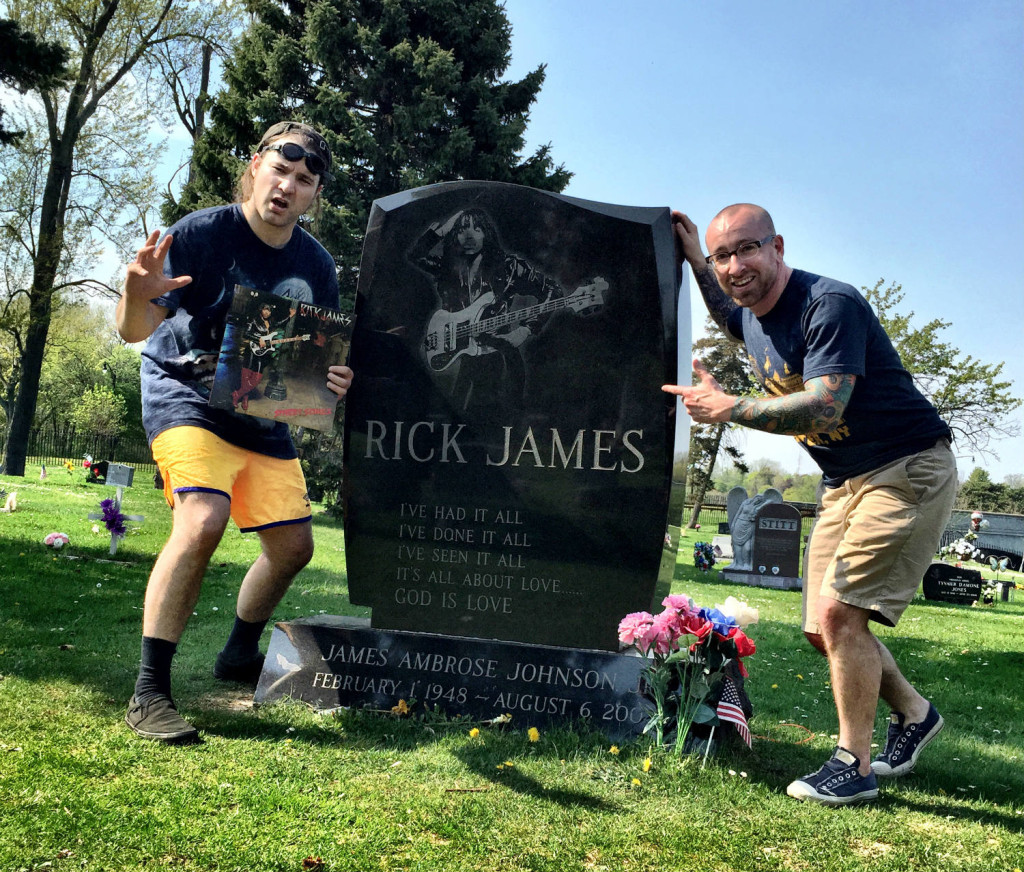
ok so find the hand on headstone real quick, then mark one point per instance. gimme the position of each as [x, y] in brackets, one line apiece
[689, 240]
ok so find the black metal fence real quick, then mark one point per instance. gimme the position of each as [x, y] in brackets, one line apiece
[54, 448]
[713, 514]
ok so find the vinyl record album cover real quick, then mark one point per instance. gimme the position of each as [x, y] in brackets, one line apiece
[274, 359]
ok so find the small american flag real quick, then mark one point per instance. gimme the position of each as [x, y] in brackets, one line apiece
[730, 709]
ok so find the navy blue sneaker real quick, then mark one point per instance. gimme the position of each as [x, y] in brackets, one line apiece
[904, 744]
[838, 782]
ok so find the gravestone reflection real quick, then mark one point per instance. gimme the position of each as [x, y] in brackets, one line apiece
[508, 452]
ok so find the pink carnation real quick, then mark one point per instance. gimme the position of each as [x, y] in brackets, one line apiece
[634, 626]
[678, 601]
[665, 630]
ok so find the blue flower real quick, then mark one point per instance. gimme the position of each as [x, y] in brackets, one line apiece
[722, 623]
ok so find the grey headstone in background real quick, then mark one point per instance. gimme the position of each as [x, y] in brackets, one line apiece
[743, 527]
[119, 475]
[737, 496]
[767, 553]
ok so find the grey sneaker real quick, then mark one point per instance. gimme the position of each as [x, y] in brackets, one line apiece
[243, 673]
[905, 743]
[838, 782]
[158, 719]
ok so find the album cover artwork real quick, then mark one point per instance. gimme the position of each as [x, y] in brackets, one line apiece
[274, 359]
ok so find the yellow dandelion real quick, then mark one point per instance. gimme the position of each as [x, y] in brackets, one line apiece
[799, 677]
[401, 709]
[509, 764]
[775, 687]
[474, 733]
[647, 765]
[534, 734]
[614, 749]
[636, 782]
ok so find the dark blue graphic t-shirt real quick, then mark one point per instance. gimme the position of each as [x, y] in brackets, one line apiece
[823, 327]
[219, 250]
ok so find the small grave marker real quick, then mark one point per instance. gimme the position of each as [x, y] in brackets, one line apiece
[118, 476]
[952, 584]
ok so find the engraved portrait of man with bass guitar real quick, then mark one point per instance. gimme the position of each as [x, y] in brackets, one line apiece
[491, 303]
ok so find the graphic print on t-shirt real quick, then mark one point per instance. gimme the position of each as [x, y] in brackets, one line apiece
[782, 383]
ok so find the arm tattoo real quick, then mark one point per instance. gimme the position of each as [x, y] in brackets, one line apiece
[818, 408]
[718, 302]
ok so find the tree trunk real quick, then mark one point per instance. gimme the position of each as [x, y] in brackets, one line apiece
[53, 208]
[705, 478]
[51, 238]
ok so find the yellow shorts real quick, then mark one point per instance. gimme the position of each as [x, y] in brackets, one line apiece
[263, 491]
[877, 533]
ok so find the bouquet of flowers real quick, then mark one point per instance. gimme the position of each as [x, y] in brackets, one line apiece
[691, 652]
[112, 517]
[962, 549]
[703, 556]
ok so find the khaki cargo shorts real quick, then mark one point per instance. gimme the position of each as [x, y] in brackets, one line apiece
[877, 533]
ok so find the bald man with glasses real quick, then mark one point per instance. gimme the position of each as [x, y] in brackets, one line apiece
[836, 384]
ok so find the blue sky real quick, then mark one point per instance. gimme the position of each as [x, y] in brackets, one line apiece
[886, 139]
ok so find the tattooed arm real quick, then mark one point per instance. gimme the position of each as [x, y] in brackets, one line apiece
[818, 408]
[719, 304]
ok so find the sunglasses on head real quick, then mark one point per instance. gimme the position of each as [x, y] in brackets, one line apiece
[292, 152]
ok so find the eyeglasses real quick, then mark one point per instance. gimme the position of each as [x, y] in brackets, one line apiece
[292, 151]
[722, 259]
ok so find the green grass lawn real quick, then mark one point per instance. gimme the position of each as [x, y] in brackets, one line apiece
[286, 788]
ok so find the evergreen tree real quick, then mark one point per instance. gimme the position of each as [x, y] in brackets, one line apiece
[407, 93]
[26, 61]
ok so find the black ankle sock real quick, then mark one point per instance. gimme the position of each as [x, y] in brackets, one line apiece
[243, 644]
[155, 670]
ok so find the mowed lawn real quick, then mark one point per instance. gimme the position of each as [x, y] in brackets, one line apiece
[282, 787]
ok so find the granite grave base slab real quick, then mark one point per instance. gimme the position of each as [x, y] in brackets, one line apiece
[332, 662]
[761, 579]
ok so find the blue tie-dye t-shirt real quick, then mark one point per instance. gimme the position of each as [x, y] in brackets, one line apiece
[219, 250]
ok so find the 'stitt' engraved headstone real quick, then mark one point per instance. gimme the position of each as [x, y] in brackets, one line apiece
[766, 543]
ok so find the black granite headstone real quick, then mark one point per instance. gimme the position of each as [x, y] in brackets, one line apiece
[952, 584]
[508, 450]
[777, 540]
[331, 662]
